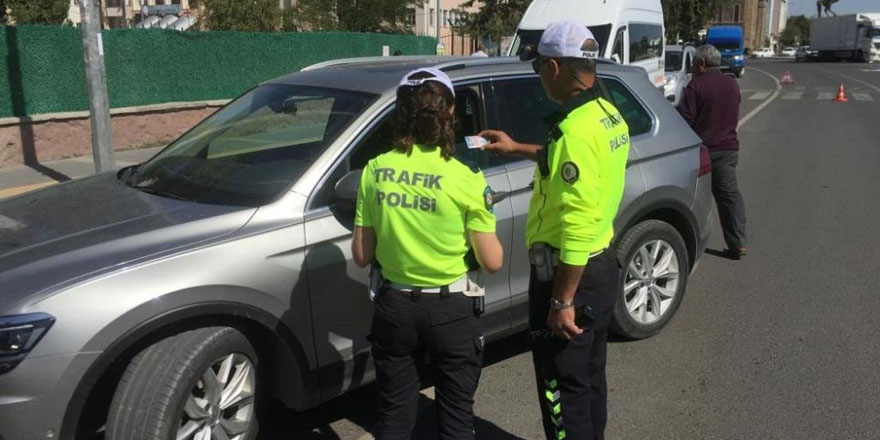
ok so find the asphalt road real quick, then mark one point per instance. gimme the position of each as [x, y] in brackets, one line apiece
[781, 345]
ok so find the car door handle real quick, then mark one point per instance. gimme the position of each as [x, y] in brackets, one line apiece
[498, 196]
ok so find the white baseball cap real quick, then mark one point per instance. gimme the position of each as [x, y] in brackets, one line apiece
[435, 75]
[563, 39]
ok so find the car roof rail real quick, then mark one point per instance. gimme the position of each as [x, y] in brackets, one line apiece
[445, 64]
[358, 60]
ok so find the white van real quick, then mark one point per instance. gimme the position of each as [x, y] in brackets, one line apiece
[628, 31]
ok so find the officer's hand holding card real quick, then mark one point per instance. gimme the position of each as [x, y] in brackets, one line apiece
[474, 142]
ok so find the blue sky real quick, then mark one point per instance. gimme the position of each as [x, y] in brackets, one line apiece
[808, 7]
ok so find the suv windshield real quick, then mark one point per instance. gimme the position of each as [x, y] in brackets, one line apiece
[250, 151]
[526, 37]
[673, 61]
[725, 45]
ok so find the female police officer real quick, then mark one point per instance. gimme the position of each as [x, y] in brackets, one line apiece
[419, 211]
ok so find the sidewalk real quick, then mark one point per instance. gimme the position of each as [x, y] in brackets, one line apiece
[21, 179]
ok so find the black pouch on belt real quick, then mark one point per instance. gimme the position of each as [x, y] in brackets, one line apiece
[541, 256]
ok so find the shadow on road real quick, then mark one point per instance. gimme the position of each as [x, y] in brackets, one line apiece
[721, 254]
[359, 408]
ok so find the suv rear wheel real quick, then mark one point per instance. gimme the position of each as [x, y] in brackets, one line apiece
[655, 273]
[197, 385]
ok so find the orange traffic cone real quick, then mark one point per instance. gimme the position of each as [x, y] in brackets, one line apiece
[841, 94]
[786, 78]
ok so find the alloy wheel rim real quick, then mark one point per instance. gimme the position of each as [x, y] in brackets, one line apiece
[651, 281]
[221, 404]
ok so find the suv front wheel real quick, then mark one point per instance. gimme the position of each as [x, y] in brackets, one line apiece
[197, 385]
[653, 280]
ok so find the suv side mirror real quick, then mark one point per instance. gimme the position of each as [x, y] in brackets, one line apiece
[126, 173]
[346, 189]
[345, 196]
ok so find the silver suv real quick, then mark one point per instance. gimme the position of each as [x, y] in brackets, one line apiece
[164, 301]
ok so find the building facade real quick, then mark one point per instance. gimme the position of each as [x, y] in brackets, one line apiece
[423, 19]
[778, 16]
[127, 13]
[751, 15]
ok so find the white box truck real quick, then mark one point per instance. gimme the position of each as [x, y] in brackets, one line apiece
[854, 36]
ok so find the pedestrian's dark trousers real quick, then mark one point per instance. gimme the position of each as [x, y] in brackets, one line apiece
[570, 375]
[731, 207]
[406, 328]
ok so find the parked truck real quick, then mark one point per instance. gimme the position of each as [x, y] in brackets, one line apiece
[729, 41]
[855, 37]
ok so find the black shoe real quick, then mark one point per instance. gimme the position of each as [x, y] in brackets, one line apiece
[735, 254]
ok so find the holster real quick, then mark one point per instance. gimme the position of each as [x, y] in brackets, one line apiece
[476, 288]
[545, 259]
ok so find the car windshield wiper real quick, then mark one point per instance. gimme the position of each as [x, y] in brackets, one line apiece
[162, 193]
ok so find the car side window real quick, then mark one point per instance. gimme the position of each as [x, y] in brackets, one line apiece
[687, 62]
[522, 106]
[637, 118]
[645, 41]
[380, 139]
[376, 142]
[469, 120]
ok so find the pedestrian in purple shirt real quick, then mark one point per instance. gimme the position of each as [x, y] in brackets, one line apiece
[710, 105]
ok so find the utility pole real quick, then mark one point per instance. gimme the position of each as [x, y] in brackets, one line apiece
[437, 9]
[96, 80]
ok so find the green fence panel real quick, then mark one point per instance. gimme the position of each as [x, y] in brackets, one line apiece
[41, 70]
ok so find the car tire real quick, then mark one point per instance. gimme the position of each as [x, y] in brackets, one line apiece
[739, 73]
[197, 381]
[648, 301]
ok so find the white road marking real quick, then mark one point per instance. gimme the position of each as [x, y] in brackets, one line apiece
[792, 96]
[872, 86]
[825, 96]
[760, 95]
[862, 97]
[762, 105]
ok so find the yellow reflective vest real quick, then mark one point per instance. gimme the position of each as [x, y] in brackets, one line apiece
[579, 179]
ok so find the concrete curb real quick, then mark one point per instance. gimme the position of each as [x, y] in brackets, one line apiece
[14, 120]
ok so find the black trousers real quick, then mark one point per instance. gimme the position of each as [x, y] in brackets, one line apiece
[731, 207]
[570, 375]
[407, 327]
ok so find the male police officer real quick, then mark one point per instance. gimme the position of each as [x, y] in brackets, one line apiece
[579, 182]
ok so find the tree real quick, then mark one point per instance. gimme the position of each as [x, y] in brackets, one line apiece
[289, 20]
[494, 20]
[242, 15]
[796, 32]
[37, 11]
[390, 16]
[685, 18]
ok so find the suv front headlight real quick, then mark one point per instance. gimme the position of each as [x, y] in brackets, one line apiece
[738, 57]
[19, 334]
